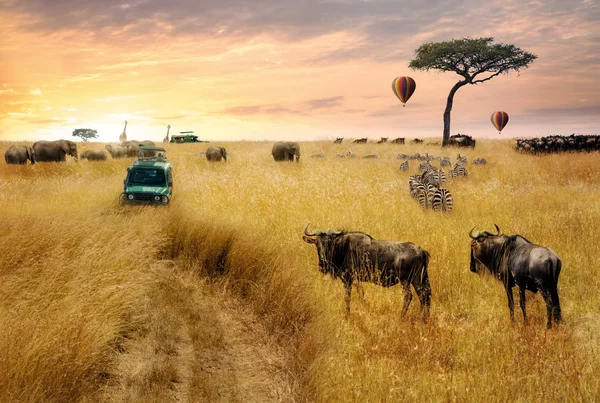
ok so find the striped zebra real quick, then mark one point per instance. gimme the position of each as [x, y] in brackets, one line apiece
[404, 166]
[442, 200]
[425, 166]
[424, 199]
[458, 170]
[434, 176]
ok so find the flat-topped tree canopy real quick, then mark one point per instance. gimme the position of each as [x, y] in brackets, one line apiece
[476, 60]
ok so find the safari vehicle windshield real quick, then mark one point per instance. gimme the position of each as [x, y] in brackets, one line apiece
[147, 177]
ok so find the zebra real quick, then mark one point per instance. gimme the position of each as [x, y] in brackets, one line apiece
[458, 170]
[442, 200]
[423, 199]
[425, 166]
[462, 160]
[404, 166]
[435, 177]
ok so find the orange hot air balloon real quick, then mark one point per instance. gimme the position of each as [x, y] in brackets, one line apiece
[403, 87]
[499, 120]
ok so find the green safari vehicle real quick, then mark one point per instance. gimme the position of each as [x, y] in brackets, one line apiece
[185, 137]
[149, 179]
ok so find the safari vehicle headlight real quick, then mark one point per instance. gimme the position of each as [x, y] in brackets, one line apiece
[156, 198]
[165, 199]
[130, 197]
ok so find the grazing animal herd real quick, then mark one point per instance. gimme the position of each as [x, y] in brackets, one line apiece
[557, 144]
[354, 256]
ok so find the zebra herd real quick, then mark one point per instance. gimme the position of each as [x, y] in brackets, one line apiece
[428, 187]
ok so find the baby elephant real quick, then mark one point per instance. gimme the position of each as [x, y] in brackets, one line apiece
[19, 155]
[216, 153]
[94, 155]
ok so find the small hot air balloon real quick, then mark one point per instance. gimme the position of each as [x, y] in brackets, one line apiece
[499, 120]
[403, 87]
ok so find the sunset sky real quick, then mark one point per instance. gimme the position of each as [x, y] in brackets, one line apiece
[287, 69]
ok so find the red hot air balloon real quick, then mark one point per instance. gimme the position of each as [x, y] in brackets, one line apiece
[403, 87]
[499, 120]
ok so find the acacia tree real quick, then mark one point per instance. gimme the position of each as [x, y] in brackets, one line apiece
[85, 134]
[475, 59]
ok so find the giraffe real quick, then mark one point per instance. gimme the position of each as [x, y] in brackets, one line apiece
[166, 139]
[123, 136]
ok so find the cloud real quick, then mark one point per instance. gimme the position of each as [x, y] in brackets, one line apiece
[582, 111]
[260, 110]
[36, 91]
[323, 103]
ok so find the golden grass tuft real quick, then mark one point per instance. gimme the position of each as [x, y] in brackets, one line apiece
[101, 303]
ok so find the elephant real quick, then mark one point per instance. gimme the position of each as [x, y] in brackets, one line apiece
[116, 151]
[94, 155]
[215, 153]
[133, 147]
[285, 151]
[19, 155]
[54, 151]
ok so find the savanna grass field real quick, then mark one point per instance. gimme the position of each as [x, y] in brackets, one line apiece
[106, 303]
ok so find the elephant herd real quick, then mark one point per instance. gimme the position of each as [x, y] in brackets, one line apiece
[50, 151]
[56, 151]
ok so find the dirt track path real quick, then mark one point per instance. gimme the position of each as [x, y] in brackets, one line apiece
[199, 345]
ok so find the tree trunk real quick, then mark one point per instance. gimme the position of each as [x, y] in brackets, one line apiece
[447, 111]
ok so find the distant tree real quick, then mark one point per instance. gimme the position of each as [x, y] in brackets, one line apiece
[470, 58]
[85, 134]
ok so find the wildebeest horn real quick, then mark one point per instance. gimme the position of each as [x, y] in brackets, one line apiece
[471, 233]
[332, 232]
[306, 232]
[497, 229]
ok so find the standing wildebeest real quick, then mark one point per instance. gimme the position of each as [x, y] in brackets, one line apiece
[19, 155]
[356, 256]
[461, 140]
[516, 261]
[216, 153]
[398, 140]
[285, 151]
[360, 141]
[54, 151]
[338, 140]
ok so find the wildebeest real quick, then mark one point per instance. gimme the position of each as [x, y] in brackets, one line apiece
[338, 140]
[461, 140]
[360, 141]
[356, 256]
[417, 141]
[383, 140]
[516, 261]
[398, 140]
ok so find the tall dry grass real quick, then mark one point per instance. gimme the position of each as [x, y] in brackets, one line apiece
[83, 288]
